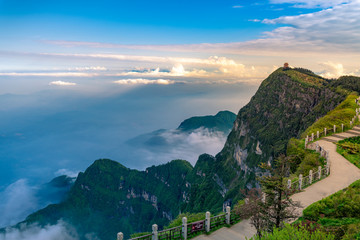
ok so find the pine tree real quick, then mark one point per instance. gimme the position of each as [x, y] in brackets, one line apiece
[271, 206]
[277, 207]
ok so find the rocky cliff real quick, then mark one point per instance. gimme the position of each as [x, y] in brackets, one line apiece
[286, 103]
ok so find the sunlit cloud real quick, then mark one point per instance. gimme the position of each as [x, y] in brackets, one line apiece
[62, 83]
[335, 70]
[144, 81]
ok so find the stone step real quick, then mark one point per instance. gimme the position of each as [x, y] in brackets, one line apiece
[338, 136]
[329, 139]
[356, 132]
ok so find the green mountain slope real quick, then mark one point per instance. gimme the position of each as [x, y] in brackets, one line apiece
[109, 197]
[222, 121]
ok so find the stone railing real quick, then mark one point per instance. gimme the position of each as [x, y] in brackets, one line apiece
[189, 230]
[314, 175]
[335, 129]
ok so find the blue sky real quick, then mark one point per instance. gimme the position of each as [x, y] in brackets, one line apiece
[89, 45]
[140, 22]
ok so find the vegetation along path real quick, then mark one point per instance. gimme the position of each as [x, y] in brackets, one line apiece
[342, 174]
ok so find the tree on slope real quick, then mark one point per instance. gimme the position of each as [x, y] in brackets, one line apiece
[272, 206]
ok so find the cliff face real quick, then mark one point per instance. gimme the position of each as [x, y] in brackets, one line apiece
[286, 103]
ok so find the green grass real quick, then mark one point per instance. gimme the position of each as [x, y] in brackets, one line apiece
[292, 232]
[343, 204]
[339, 213]
[303, 160]
[330, 222]
[350, 149]
[342, 114]
[305, 78]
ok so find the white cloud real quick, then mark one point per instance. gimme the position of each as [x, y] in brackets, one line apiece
[60, 231]
[182, 145]
[62, 83]
[144, 81]
[333, 70]
[331, 30]
[16, 202]
[312, 3]
[237, 6]
[66, 172]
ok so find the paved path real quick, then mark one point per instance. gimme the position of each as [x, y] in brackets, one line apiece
[342, 174]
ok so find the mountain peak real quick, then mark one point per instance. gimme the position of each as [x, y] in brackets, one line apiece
[222, 121]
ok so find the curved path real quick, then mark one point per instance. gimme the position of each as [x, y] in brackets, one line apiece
[342, 174]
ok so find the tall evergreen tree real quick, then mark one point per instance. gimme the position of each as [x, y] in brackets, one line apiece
[277, 206]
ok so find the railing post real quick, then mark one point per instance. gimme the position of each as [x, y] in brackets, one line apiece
[207, 222]
[334, 128]
[120, 236]
[300, 181]
[317, 134]
[325, 131]
[312, 136]
[155, 232]
[228, 215]
[319, 171]
[342, 127]
[310, 176]
[289, 184]
[327, 169]
[184, 227]
[306, 142]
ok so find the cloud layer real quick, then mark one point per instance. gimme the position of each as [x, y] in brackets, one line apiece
[165, 145]
[60, 231]
[16, 202]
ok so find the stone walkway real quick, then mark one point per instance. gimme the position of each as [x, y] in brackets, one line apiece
[342, 174]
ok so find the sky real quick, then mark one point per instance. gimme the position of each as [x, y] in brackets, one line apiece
[80, 78]
[91, 45]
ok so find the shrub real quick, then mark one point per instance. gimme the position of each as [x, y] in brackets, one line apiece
[290, 232]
